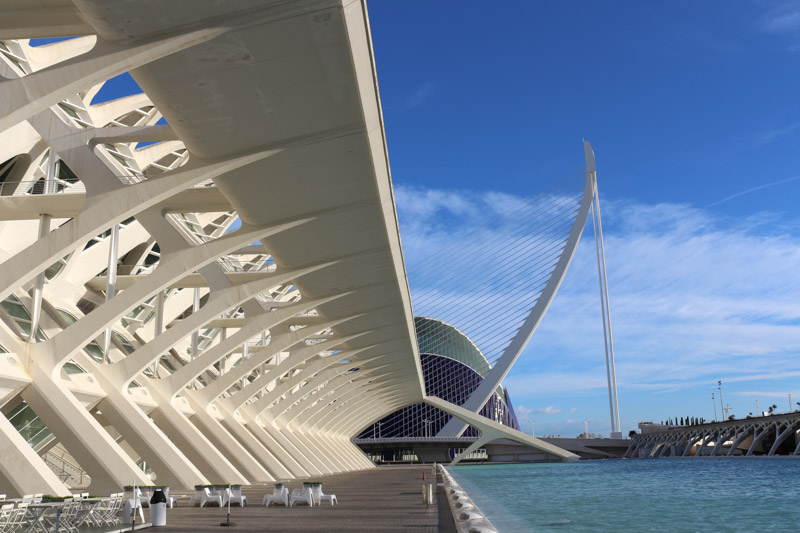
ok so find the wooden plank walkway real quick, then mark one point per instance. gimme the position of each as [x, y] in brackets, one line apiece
[379, 499]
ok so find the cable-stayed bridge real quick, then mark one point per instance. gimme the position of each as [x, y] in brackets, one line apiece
[478, 301]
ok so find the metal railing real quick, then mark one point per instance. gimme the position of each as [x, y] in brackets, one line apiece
[415, 439]
[67, 471]
[30, 187]
[267, 265]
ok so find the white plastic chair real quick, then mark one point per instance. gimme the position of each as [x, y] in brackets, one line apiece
[170, 499]
[279, 495]
[319, 497]
[144, 497]
[236, 497]
[18, 519]
[303, 496]
[27, 498]
[37, 498]
[198, 494]
[7, 513]
[106, 512]
[132, 505]
[111, 511]
[69, 514]
[207, 497]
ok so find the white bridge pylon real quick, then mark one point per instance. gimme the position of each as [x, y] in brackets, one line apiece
[536, 243]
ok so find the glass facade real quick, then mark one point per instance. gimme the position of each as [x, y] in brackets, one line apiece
[452, 373]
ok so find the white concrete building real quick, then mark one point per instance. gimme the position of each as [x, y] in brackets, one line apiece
[140, 327]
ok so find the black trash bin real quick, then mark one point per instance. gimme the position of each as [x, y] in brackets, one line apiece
[158, 509]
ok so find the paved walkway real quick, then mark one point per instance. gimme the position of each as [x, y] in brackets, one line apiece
[379, 499]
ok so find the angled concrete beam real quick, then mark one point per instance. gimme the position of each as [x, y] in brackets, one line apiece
[257, 324]
[22, 467]
[24, 97]
[491, 430]
[172, 267]
[105, 210]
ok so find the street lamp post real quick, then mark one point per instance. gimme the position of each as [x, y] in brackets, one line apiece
[427, 427]
[714, 403]
[721, 405]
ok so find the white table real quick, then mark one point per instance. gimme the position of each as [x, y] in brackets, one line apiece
[89, 505]
[38, 510]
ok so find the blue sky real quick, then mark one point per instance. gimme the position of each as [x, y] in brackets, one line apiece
[693, 113]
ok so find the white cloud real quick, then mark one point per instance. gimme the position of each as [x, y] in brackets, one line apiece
[756, 188]
[695, 297]
[768, 394]
[692, 296]
[523, 411]
[776, 133]
[782, 19]
[421, 95]
[432, 218]
[549, 410]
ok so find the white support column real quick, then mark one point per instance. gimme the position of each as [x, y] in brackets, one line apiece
[251, 462]
[158, 328]
[22, 467]
[111, 285]
[301, 452]
[605, 304]
[44, 230]
[87, 441]
[223, 335]
[167, 460]
[158, 323]
[789, 429]
[268, 455]
[196, 446]
[195, 333]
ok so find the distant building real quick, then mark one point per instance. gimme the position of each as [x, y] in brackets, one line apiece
[453, 368]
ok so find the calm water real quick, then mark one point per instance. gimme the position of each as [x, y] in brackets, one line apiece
[664, 495]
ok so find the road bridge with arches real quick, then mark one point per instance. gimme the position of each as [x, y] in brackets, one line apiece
[766, 435]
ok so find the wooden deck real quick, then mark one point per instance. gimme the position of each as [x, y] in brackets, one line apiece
[380, 499]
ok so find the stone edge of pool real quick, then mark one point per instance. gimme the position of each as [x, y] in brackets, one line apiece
[467, 517]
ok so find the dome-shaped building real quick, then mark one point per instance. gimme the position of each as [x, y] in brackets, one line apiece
[453, 367]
